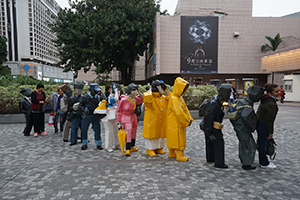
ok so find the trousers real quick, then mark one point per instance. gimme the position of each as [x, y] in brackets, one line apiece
[215, 151]
[262, 142]
[86, 121]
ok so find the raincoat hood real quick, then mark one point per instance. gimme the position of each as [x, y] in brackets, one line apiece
[180, 87]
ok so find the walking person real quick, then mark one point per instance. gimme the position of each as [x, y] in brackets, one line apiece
[53, 102]
[25, 105]
[266, 115]
[282, 94]
[38, 99]
[232, 96]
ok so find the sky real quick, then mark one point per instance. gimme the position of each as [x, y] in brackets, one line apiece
[261, 8]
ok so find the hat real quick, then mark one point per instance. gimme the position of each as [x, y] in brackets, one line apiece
[95, 87]
[65, 88]
[26, 92]
[78, 85]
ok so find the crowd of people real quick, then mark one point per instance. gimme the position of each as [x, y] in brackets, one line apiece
[166, 118]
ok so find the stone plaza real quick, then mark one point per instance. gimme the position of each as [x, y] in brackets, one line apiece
[48, 168]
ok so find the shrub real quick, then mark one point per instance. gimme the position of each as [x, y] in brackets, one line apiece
[10, 96]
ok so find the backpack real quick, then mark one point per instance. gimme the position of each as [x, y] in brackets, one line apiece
[271, 150]
[249, 117]
[204, 106]
[232, 113]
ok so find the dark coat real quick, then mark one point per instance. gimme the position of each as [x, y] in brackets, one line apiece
[267, 111]
[71, 112]
[24, 106]
[214, 114]
[91, 103]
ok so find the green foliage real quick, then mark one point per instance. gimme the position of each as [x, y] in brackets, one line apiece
[274, 43]
[106, 34]
[18, 80]
[10, 96]
[5, 70]
[3, 49]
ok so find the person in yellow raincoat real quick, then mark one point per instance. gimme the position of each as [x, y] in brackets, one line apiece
[154, 129]
[178, 118]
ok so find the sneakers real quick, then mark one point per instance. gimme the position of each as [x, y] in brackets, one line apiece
[109, 150]
[35, 134]
[44, 133]
[270, 166]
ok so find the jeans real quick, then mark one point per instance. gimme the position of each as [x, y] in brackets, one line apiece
[63, 117]
[76, 123]
[262, 142]
[86, 120]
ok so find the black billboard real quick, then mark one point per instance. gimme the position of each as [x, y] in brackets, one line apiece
[199, 44]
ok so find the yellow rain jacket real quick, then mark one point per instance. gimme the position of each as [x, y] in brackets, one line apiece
[155, 115]
[178, 116]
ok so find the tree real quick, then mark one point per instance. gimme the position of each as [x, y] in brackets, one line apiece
[107, 33]
[3, 49]
[274, 43]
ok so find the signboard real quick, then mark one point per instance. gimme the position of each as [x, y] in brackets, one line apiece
[40, 75]
[199, 44]
[28, 69]
[247, 84]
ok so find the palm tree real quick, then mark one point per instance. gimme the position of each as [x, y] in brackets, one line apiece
[274, 43]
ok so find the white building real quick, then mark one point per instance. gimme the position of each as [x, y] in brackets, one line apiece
[30, 50]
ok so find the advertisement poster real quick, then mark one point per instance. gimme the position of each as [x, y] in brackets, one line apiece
[199, 44]
[247, 84]
[28, 69]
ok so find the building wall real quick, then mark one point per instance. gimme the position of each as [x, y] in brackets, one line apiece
[206, 8]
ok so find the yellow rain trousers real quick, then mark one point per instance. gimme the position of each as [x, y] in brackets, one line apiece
[178, 116]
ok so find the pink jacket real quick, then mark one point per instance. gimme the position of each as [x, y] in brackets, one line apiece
[126, 108]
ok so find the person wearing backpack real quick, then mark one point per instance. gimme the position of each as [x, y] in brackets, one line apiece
[212, 126]
[266, 114]
[245, 124]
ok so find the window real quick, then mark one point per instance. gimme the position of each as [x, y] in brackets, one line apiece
[288, 85]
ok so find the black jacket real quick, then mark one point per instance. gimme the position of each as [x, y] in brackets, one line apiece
[71, 112]
[214, 114]
[24, 106]
[91, 103]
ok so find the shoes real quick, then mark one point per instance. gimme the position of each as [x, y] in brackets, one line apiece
[84, 147]
[61, 134]
[99, 147]
[127, 153]
[44, 133]
[222, 166]
[35, 134]
[73, 144]
[65, 140]
[160, 151]
[109, 150]
[150, 153]
[26, 135]
[134, 149]
[270, 166]
[248, 167]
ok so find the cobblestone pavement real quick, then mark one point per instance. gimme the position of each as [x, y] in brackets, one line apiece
[47, 168]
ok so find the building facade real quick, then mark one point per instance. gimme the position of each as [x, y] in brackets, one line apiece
[224, 44]
[31, 51]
